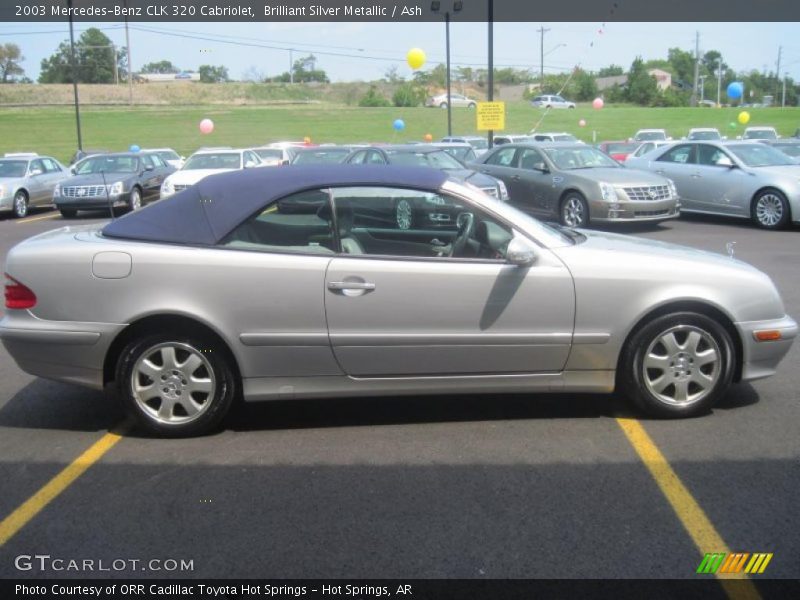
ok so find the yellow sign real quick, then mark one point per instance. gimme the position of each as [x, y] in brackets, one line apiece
[491, 116]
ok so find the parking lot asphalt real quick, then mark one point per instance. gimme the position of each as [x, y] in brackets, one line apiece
[483, 486]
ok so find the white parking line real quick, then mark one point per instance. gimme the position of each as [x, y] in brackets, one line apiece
[52, 215]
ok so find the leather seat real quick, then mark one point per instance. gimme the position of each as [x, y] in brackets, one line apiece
[345, 219]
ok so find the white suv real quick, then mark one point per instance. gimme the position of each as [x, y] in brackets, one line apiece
[208, 161]
[651, 135]
[551, 102]
[760, 133]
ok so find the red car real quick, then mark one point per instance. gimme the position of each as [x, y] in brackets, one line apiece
[619, 151]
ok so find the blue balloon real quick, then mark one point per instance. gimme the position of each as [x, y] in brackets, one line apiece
[134, 148]
[735, 90]
[399, 124]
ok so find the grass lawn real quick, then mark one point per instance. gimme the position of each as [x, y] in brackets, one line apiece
[51, 130]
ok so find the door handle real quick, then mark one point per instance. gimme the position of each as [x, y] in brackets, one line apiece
[350, 285]
[660, 171]
[515, 178]
[696, 176]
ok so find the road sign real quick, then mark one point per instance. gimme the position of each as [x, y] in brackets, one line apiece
[491, 116]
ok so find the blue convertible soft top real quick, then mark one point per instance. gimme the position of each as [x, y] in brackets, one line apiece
[206, 212]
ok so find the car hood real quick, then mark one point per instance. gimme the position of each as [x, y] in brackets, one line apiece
[624, 176]
[97, 179]
[782, 170]
[194, 175]
[469, 176]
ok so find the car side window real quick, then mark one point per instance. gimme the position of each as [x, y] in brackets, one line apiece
[382, 221]
[36, 167]
[50, 165]
[147, 161]
[375, 158]
[502, 158]
[531, 159]
[358, 158]
[709, 155]
[297, 224]
[678, 154]
[251, 158]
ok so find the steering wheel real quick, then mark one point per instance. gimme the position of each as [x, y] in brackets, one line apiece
[466, 224]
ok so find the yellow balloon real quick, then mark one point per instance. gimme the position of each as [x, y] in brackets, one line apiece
[415, 58]
[744, 117]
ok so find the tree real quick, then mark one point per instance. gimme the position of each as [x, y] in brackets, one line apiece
[94, 61]
[642, 87]
[682, 63]
[391, 75]
[583, 86]
[611, 71]
[10, 57]
[409, 94]
[162, 66]
[465, 74]
[373, 98]
[210, 74]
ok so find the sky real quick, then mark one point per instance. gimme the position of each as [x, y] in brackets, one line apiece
[364, 51]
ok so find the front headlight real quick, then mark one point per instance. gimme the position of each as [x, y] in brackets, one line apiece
[608, 192]
[2, 191]
[167, 188]
[115, 189]
[673, 190]
[503, 190]
[56, 191]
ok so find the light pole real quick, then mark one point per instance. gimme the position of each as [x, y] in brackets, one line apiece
[783, 95]
[74, 76]
[436, 6]
[719, 80]
[702, 79]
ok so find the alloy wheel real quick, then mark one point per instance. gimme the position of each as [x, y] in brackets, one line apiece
[404, 214]
[769, 210]
[573, 212]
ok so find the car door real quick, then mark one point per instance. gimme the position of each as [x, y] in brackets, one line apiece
[393, 312]
[535, 180]
[501, 164]
[678, 164]
[37, 182]
[148, 177]
[52, 175]
[715, 182]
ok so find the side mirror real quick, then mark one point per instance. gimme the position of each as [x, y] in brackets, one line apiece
[540, 166]
[724, 161]
[520, 252]
[249, 164]
[35, 172]
[149, 168]
[72, 170]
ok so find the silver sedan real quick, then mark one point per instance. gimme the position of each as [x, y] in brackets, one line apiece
[750, 180]
[287, 283]
[28, 180]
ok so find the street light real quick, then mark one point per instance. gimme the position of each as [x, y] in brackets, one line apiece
[436, 6]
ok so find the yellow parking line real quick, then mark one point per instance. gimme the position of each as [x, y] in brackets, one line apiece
[51, 490]
[691, 515]
[32, 219]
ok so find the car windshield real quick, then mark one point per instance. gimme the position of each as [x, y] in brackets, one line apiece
[438, 159]
[13, 168]
[759, 155]
[166, 155]
[579, 158]
[269, 153]
[320, 157]
[705, 135]
[564, 137]
[108, 164]
[650, 135]
[479, 143]
[760, 134]
[621, 148]
[214, 160]
[790, 149]
[458, 152]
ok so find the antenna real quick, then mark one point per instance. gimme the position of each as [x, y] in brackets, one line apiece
[108, 196]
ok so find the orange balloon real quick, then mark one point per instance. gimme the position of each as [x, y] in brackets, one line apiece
[428, 137]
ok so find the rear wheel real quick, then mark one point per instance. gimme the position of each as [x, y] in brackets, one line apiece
[404, 214]
[68, 213]
[574, 210]
[770, 209]
[678, 365]
[443, 105]
[471, 105]
[20, 204]
[175, 385]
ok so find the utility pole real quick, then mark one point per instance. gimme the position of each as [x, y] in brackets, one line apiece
[783, 95]
[449, 98]
[703, 87]
[719, 80]
[74, 76]
[291, 65]
[693, 101]
[128, 52]
[114, 59]
[541, 31]
[490, 133]
[778, 67]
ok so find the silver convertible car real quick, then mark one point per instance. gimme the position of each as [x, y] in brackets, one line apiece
[743, 179]
[227, 289]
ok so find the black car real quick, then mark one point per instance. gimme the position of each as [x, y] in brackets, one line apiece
[107, 181]
[320, 155]
[81, 154]
[408, 212]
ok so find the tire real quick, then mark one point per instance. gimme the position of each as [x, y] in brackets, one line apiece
[443, 105]
[404, 214]
[571, 106]
[135, 199]
[573, 211]
[770, 209]
[68, 213]
[678, 365]
[155, 376]
[471, 105]
[20, 204]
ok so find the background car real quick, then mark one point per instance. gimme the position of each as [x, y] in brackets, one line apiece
[479, 143]
[744, 179]
[106, 181]
[577, 184]
[316, 306]
[209, 161]
[274, 156]
[644, 148]
[464, 152]
[511, 138]
[647, 135]
[551, 101]
[168, 155]
[618, 150]
[789, 146]
[321, 155]
[554, 137]
[456, 100]
[704, 133]
[28, 180]
[80, 154]
[409, 212]
[760, 133]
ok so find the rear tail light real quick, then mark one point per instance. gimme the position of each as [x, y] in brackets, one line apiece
[18, 295]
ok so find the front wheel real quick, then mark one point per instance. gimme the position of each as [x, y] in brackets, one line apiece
[574, 211]
[471, 105]
[20, 204]
[678, 365]
[404, 214]
[443, 105]
[770, 210]
[175, 385]
[135, 200]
